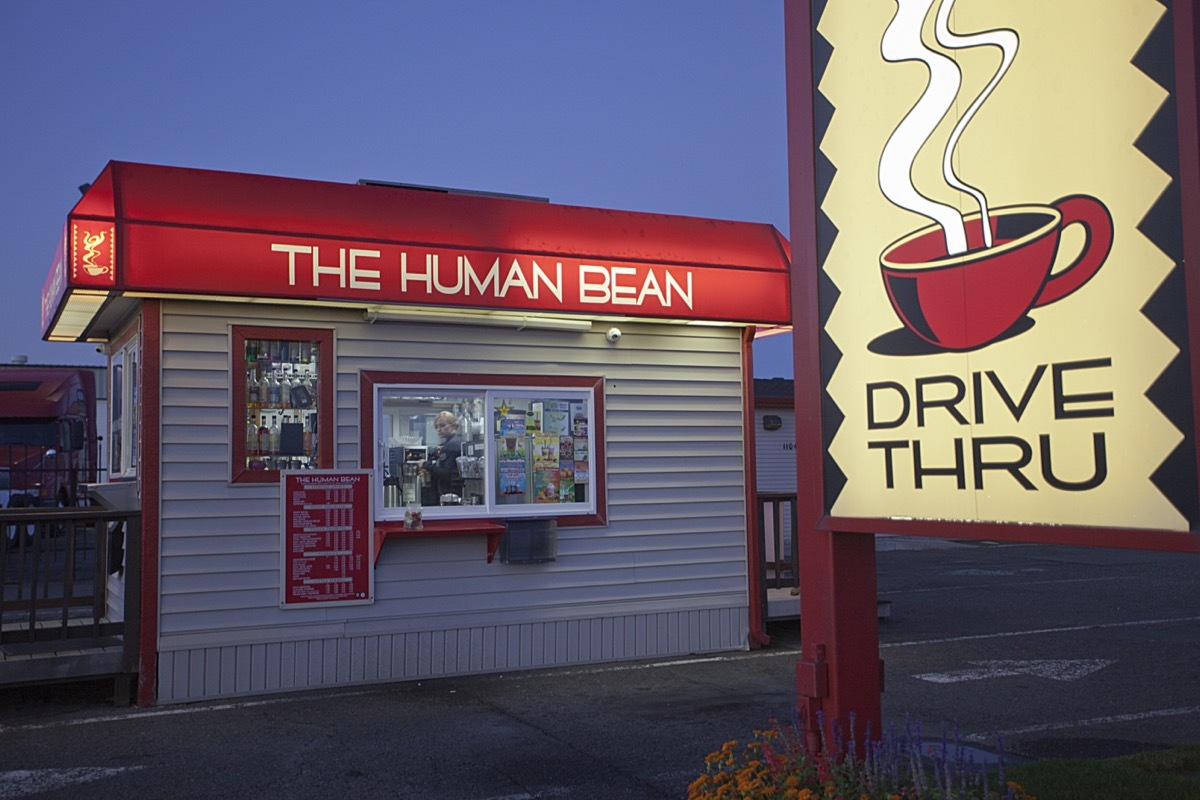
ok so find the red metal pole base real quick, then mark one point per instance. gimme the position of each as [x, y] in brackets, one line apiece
[839, 675]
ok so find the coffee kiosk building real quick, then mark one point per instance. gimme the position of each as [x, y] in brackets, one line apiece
[280, 351]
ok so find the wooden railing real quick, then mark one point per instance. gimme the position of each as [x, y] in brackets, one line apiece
[780, 565]
[777, 528]
[69, 606]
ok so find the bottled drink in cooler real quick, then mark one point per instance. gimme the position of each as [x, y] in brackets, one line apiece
[252, 396]
[274, 392]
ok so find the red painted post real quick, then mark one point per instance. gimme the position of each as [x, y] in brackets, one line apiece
[839, 674]
[150, 469]
[754, 559]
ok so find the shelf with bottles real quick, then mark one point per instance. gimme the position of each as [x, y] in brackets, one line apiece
[280, 375]
[281, 351]
[281, 379]
[282, 439]
[281, 392]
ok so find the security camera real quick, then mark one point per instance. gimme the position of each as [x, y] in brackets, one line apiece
[613, 335]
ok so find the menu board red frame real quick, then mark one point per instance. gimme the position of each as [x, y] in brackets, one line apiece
[326, 552]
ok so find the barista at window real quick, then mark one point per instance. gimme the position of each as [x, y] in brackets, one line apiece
[443, 463]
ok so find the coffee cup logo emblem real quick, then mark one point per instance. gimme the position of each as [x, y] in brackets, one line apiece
[969, 279]
[93, 252]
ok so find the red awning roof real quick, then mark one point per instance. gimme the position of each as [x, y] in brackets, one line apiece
[148, 221]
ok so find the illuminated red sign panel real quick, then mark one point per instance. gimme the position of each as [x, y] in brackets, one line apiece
[93, 254]
[55, 287]
[267, 265]
[199, 232]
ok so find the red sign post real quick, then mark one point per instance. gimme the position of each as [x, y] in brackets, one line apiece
[994, 292]
[327, 551]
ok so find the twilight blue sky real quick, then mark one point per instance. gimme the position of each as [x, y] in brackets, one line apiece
[668, 106]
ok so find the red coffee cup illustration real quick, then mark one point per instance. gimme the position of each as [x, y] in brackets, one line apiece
[967, 301]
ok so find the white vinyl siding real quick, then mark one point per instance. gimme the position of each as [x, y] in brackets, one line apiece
[775, 451]
[665, 576]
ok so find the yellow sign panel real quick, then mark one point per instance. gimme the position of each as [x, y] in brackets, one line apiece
[1005, 372]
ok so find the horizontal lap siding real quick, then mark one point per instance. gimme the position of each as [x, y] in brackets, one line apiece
[665, 576]
[775, 465]
[775, 452]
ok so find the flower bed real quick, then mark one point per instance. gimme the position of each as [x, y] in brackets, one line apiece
[778, 764]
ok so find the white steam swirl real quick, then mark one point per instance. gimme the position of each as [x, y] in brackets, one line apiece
[902, 42]
[1002, 38]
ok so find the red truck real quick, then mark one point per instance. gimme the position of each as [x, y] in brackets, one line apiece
[48, 441]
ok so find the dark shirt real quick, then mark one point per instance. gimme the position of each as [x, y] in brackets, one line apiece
[443, 463]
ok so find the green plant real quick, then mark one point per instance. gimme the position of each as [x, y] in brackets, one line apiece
[1161, 774]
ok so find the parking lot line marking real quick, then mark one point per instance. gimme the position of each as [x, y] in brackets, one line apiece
[1038, 631]
[1055, 670]
[553, 791]
[740, 655]
[178, 710]
[25, 782]
[1084, 723]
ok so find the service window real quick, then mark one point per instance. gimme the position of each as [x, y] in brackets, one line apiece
[282, 401]
[485, 450]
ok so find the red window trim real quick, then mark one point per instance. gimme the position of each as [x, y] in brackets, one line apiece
[368, 379]
[325, 379]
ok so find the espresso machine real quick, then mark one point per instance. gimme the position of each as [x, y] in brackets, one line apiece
[411, 477]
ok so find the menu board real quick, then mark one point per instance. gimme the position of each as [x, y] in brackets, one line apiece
[327, 553]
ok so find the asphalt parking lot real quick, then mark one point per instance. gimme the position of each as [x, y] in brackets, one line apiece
[1071, 652]
[1062, 651]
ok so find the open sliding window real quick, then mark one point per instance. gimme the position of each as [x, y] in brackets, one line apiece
[484, 446]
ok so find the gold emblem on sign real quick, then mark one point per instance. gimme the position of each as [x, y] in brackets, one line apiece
[91, 251]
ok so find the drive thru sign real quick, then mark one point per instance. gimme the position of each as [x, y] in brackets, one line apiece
[994, 281]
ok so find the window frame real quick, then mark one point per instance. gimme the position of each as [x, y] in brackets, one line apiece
[373, 381]
[239, 334]
[124, 397]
